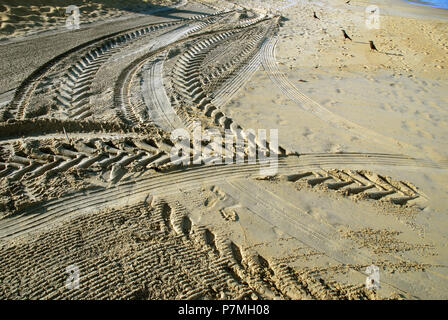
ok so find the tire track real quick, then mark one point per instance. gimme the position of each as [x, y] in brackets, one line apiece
[168, 242]
[292, 92]
[156, 100]
[161, 250]
[23, 94]
[26, 89]
[359, 183]
[187, 82]
[123, 85]
[164, 248]
[311, 233]
[232, 85]
[74, 92]
[162, 184]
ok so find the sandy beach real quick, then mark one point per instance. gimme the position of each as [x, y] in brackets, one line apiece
[88, 125]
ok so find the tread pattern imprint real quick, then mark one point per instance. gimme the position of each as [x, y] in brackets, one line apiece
[90, 129]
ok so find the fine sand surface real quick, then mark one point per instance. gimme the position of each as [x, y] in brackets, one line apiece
[87, 182]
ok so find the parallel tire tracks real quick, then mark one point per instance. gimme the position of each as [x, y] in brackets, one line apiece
[167, 183]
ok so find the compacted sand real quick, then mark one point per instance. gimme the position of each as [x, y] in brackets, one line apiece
[87, 182]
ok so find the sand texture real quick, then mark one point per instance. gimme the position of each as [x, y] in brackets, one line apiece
[87, 177]
[19, 18]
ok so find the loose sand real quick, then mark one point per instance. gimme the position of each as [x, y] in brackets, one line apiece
[86, 178]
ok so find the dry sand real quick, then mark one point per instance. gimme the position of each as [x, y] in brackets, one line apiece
[21, 18]
[86, 179]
